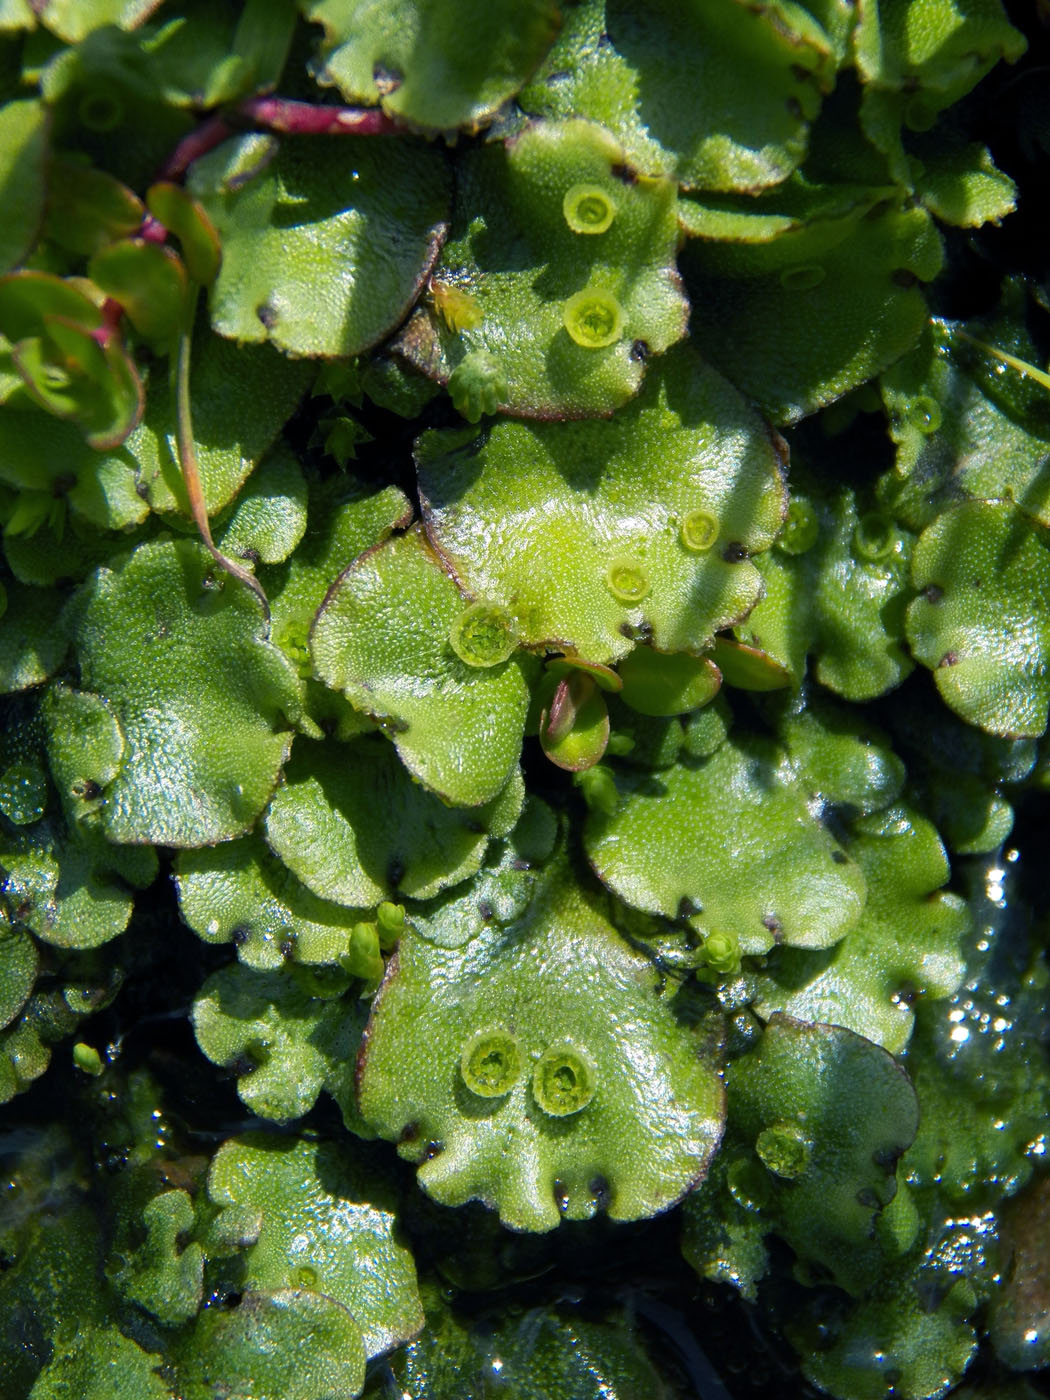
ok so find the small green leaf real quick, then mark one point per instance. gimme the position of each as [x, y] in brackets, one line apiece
[562, 323]
[584, 1125]
[239, 892]
[905, 946]
[355, 828]
[149, 281]
[436, 66]
[397, 636]
[164, 634]
[660, 683]
[87, 208]
[364, 217]
[291, 1344]
[982, 620]
[829, 1151]
[592, 554]
[23, 157]
[789, 880]
[329, 1224]
[282, 1042]
[171, 205]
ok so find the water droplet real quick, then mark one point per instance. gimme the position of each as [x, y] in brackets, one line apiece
[588, 209]
[23, 793]
[925, 414]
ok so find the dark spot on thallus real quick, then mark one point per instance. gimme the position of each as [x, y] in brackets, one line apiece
[866, 1197]
[485, 910]
[624, 173]
[433, 1148]
[794, 107]
[886, 1158]
[733, 553]
[395, 873]
[840, 857]
[627, 630]
[409, 1132]
[62, 484]
[685, 907]
[86, 789]
[640, 351]
[903, 277]
[774, 926]
[241, 1065]
[267, 315]
[599, 1189]
[287, 949]
[561, 1196]
[562, 76]
[950, 658]
[933, 593]
[240, 936]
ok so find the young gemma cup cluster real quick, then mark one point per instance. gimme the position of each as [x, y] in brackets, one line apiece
[524, 670]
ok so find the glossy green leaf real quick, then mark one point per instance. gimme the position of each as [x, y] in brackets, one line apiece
[661, 683]
[281, 1040]
[569, 1121]
[906, 945]
[241, 398]
[390, 635]
[862, 292]
[18, 967]
[269, 517]
[239, 892]
[88, 208]
[32, 640]
[718, 97]
[23, 157]
[965, 425]
[149, 281]
[353, 826]
[164, 635]
[344, 520]
[432, 63]
[329, 1224]
[562, 322]
[292, 1344]
[841, 599]
[961, 184]
[364, 217]
[591, 553]
[981, 622]
[829, 1155]
[788, 881]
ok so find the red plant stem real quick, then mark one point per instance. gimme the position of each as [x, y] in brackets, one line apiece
[204, 138]
[308, 119]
